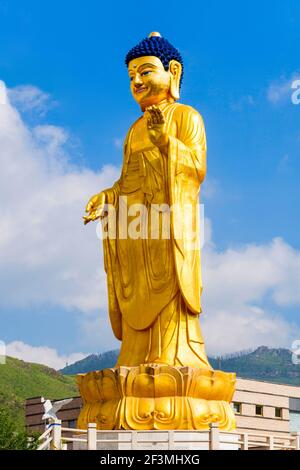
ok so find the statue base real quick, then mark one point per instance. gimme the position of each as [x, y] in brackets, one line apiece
[156, 397]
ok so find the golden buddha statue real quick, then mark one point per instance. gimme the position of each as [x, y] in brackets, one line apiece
[154, 282]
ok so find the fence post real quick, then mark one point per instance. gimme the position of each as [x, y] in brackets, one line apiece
[134, 440]
[92, 436]
[214, 436]
[56, 435]
[245, 443]
[170, 440]
[270, 441]
[296, 440]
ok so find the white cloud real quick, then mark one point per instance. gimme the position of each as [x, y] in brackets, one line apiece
[280, 91]
[236, 329]
[29, 98]
[47, 256]
[41, 355]
[237, 282]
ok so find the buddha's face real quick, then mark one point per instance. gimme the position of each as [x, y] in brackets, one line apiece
[149, 81]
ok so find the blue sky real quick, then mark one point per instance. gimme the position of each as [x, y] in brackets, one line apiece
[240, 60]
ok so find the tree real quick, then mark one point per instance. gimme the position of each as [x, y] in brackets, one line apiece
[11, 438]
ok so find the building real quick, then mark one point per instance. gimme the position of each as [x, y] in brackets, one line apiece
[260, 407]
[266, 407]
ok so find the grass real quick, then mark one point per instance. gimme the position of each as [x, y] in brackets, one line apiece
[20, 380]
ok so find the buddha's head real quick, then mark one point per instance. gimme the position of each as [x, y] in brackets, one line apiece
[155, 69]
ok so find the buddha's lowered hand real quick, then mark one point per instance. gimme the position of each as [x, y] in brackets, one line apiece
[94, 207]
[157, 127]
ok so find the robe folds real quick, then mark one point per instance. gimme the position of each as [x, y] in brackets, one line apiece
[154, 283]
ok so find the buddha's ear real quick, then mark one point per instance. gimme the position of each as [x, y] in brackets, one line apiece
[175, 69]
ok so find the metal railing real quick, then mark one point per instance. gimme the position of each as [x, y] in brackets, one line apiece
[57, 437]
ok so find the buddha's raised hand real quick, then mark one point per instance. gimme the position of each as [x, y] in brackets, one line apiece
[95, 207]
[156, 125]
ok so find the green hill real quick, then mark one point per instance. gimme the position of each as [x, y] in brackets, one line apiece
[271, 365]
[20, 380]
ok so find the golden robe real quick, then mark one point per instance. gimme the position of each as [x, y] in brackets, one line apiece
[154, 285]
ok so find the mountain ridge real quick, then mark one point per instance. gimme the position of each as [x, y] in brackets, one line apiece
[263, 363]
